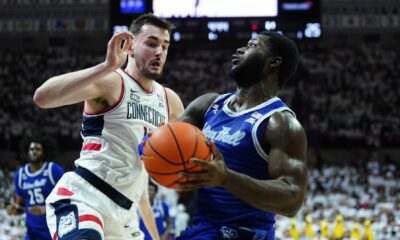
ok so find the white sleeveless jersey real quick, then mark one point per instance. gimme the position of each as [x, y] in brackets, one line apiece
[111, 137]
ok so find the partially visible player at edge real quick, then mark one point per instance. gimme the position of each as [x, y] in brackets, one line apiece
[33, 183]
[259, 167]
[99, 198]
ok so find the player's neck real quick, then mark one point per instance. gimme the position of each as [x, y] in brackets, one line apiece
[36, 166]
[146, 83]
[252, 96]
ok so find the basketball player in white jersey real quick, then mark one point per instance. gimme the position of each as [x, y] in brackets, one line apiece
[99, 198]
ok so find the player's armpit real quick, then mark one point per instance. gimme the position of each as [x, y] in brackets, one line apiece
[194, 113]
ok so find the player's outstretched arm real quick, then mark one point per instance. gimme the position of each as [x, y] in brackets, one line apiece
[285, 193]
[89, 83]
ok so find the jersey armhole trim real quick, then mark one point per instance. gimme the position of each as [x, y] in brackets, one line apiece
[256, 142]
[51, 174]
[20, 178]
[111, 108]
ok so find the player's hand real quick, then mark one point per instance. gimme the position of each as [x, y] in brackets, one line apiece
[11, 210]
[37, 210]
[214, 173]
[118, 48]
[14, 210]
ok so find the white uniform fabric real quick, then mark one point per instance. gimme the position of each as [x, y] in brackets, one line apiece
[109, 151]
[117, 162]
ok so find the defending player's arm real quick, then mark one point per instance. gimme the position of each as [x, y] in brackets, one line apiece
[175, 104]
[146, 212]
[285, 193]
[90, 83]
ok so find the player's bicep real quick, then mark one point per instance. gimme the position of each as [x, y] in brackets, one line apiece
[175, 104]
[195, 111]
[102, 88]
[288, 145]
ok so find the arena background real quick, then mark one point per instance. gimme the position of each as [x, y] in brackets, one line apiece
[346, 95]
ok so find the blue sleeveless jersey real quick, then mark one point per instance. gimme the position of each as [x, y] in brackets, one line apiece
[237, 135]
[34, 188]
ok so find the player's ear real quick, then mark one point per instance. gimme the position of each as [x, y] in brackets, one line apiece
[131, 49]
[274, 61]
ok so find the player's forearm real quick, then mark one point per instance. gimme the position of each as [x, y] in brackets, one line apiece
[148, 219]
[57, 91]
[278, 196]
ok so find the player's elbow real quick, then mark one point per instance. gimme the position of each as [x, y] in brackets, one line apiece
[294, 203]
[40, 98]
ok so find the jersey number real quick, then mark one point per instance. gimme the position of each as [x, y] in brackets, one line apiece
[35, 196]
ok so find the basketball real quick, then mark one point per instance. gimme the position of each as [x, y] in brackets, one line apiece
[168, 151]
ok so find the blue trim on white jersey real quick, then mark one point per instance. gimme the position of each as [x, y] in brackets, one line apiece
[92, 125]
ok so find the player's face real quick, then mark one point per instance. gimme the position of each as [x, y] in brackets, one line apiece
[150, 51]
[152, 192]
[248, 62]
[36, 153]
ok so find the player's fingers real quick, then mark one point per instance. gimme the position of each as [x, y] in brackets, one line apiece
[217, 154]
[127, 45]
[188, 186]
[198, 178]
[118, 37]
[200, 162]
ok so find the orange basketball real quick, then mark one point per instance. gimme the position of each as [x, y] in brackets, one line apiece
[168, 151]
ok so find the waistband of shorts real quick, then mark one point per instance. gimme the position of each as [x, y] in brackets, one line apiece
[105, 188]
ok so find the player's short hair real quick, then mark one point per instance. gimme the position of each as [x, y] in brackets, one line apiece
[49, 145]
[150, 19]
[286, 49]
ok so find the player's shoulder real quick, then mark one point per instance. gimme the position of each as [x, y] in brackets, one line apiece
[202, 103]
[55, 166]
[19, 170]
[109, 80]
[206, 99]
[284, 125]
[284, 120]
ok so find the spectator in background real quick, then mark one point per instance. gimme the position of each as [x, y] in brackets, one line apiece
[181, 220]
[161, 214]
[33, 183]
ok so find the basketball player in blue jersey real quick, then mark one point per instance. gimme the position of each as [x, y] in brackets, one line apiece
[161, 214]
[259, 147]
[33, 183]
[100, 197]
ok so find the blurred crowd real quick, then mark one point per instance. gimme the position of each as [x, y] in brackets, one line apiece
[358, 201]
[343, 95]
